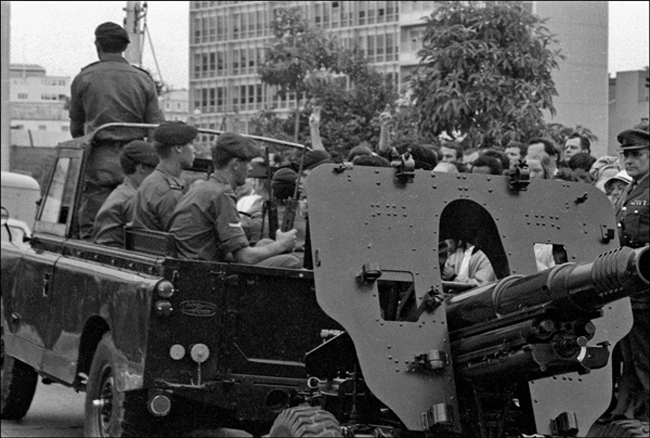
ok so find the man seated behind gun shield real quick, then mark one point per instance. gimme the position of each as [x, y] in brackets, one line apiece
[206, 223]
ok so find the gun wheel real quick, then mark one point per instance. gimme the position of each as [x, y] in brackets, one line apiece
[305, 421]
[110, 412]
[18, 387]
[625, 429]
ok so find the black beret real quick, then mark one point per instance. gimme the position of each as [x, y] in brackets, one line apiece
[174, 133]
[285, 175]
[111, 31]
[141, 152]
[314, 158]
[237, 146]
[632, 139]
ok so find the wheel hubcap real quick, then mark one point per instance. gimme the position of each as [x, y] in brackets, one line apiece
[104, 404]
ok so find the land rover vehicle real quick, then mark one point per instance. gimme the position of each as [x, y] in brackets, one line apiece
[370, 342]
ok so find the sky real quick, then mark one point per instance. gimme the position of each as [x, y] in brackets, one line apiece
[59, 36]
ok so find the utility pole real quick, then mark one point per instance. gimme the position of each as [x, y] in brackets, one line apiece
[133, 23]
[6, 82]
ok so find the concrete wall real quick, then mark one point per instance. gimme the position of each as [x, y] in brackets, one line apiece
[628, 104]
[36, 162]
[581, 82]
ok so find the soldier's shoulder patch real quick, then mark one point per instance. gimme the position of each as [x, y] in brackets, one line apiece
[175, 185]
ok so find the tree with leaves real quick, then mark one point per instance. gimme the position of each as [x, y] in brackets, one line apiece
[350, 91]
[296, 52]
[485, 73]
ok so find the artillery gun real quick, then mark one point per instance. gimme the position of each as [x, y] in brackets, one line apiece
[370, 342]
[527, 354]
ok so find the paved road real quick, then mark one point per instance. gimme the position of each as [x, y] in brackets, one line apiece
[56, 411]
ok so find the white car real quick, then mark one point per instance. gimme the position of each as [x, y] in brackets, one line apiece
[18, 230]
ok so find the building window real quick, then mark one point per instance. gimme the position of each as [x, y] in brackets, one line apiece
[65, 128]
[42, 128]
[22, 96]
[168, 106]
[211, 108]
[213, 63]
[179, 106]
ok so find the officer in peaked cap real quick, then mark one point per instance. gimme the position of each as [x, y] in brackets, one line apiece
[633, 227]
[160, 192]
[110, 90]
[212, 206]
[138, 160]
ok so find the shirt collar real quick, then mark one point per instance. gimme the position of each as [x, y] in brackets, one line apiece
[113, 57]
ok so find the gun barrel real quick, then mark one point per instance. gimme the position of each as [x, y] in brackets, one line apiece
[570, 287]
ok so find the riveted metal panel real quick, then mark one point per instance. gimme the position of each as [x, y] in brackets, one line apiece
[364, 216]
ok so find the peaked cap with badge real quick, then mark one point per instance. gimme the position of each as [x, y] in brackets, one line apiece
[632, 139]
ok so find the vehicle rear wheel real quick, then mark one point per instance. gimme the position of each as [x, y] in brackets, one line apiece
[625, 429]
[18, 387]
[303, 421]
[110, 412]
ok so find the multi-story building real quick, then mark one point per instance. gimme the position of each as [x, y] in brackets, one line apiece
[227, 40]
[628, 103]
[39, 106]
[175, 104]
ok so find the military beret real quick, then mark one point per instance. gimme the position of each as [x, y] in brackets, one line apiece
[111, 31]
[285, 175]
[174, 133]
[141, 152]
[632, 139]
[237, 146]
[314, 158]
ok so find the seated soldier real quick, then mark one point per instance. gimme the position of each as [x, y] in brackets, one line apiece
[138, 159]
[159, 193]
[206, 223]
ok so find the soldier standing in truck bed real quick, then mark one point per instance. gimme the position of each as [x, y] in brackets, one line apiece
[633, 226]
[159, 193]
[110, 90]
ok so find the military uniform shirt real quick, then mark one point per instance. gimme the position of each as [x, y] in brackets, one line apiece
[114, 214]
[156, 200]
[206, 223]
[633, 216]
[112, 90]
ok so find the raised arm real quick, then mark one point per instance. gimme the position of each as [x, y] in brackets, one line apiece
[314, 129]
[385, 121]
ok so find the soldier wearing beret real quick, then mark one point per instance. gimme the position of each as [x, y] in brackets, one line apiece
[110, 90]
[138, 159]
[206, 223]
[160, 192]
[633, 223]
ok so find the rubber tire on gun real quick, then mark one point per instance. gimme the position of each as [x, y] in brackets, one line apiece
[625, 429]
[122, 414]
[305, 421]
[18, 387]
